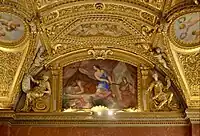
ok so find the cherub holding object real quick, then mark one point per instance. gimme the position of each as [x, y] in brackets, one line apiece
[160, 56]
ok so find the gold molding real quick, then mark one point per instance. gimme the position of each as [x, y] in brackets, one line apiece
[86, 119]
[193, 115]
[59, 63]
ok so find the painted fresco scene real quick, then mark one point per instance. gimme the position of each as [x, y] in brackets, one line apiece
[187, 28]
[11, 28]
[105, 83]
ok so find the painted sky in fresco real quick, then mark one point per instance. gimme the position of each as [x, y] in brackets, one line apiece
[11, 28]
[187, 28]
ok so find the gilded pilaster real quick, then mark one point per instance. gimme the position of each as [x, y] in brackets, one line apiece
[145, 97]
[55, 70]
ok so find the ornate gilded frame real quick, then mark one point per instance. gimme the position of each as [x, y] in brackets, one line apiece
[59, 63]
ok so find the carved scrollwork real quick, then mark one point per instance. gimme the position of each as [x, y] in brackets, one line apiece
[133, 12]
[100, 53]
[41, 3]
[146, 31]
[155, 3]
[98, 29]
[99, 6]
[191, 69]
[9, 63]
[41, 104]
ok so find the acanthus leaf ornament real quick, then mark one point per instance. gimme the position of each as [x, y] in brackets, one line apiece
[191, 69]
[100, 53]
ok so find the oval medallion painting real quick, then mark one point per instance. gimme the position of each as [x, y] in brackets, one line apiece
[11, 28]
[187, 28]
[107, 83]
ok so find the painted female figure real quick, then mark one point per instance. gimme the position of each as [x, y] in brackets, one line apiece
[103, 88]
[103, 95]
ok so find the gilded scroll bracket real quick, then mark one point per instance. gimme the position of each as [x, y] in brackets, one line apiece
[100, 52]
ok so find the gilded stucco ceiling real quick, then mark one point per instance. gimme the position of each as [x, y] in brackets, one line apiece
[74, 30]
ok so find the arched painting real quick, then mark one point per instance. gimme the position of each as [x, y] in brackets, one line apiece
[187, 28]
[11, 28]
[91, 83]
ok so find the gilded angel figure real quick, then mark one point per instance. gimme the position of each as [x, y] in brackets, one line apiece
[160, 56]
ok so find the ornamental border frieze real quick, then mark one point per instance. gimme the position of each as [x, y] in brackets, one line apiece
[8, 66]
[176, 10]
[131, 116]
[133, 48]
[172, 37]
[72, 45]
[16, 7]
[139, 14]
[88, 118]
[110, 41]
[194, 104]
[105, 124]
[132, 3]
[104, 19]
[101, 18]
[190, 63]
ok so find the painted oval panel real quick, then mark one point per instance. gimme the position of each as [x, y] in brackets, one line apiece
[187, 28]
[11, 28]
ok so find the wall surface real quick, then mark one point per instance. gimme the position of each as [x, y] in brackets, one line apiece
[4, 129]
[196, 130]
[100, 131]
[24, 130]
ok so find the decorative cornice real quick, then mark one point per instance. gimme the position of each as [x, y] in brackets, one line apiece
[193, 115]
[87, 120]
